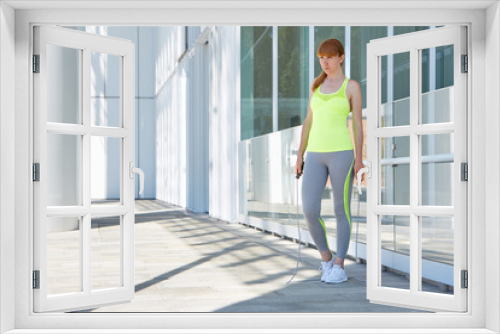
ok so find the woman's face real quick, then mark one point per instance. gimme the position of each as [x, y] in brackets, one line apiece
[331, 64]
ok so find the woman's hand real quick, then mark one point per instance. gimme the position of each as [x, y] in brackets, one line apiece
[298, 165]
[358, 164]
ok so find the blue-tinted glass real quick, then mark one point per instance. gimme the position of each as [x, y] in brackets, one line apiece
[293, 76]
[256, 81]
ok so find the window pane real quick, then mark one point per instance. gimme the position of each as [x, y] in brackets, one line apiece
[395, 251]
[105, 170]
[258, 178]
[105, 89]
[437, 169]
[105, 259]
[63, 169]
[256, 81]
[395, 170]
[400, 30]
[360, 37]
[63, 255]
[64, 99]
[437, 85]
[395, 108]
[437, 234]
[293, 75]
[322, 33]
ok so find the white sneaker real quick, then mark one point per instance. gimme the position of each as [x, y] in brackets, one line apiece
[326, 268]
[336, 275]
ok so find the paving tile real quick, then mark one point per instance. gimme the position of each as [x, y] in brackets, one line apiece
[188, 262]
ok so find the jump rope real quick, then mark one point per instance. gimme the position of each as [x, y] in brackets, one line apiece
[360, 172]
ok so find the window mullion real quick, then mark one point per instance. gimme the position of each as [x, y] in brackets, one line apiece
[275, 78]
[347, 51]
[415, 268]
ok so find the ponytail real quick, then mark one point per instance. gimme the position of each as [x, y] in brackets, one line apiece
[319, 80]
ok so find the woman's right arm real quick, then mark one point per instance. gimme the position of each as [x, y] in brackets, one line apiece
[304, 138]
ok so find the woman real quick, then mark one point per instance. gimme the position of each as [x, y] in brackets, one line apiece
[326, 136]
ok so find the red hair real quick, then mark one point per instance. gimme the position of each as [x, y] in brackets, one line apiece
[329, 48]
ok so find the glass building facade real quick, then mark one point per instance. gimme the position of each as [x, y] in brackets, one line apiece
[278, 65]
[293, 57]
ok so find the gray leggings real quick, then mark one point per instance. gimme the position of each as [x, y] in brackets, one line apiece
[317, 166]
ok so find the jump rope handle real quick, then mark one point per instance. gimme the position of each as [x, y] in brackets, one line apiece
[360, 172]
[298, 174]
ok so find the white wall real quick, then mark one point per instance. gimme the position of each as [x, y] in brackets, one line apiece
[182, 118]
[170, 88]
[146, 110]
[224, 121]
[7, 170]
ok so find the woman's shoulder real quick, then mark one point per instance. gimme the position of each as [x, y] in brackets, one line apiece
[353, 85]
[351, 81]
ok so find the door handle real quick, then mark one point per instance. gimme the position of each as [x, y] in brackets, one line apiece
[132, 171]
[358, 177]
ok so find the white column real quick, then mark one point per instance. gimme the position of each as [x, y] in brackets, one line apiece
[390, 71]
[312, 55]
[347, 51]
[432, 113]
[275, 78]
[224, 125]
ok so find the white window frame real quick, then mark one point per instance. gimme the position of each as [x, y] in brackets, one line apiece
[413, 43]
[124, 50]
[475, 320]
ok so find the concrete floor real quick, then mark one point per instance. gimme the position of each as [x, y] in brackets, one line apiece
[186, 262]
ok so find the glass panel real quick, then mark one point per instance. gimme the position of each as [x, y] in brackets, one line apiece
[280, 171]
[293, 75]
[63, 255]
[64, 75]
[395, 170]
[437, 106]
[360, 37]
[437, 235]
[437, 169]
[395, 251]
[437, 84]
[63, 170]
[105, 248]
[105, 155]
[395, 108]
[322, 33]
[258, 194]
[400, 30]
[256, 81]
[105, 90]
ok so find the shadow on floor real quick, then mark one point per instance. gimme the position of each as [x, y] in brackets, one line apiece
[192, 263]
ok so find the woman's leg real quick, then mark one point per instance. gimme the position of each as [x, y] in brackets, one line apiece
[341, 171]
[313, 185]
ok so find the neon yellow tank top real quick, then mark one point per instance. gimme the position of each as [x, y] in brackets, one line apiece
[329, 131]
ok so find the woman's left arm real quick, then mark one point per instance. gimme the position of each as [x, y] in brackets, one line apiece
[357, 125]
